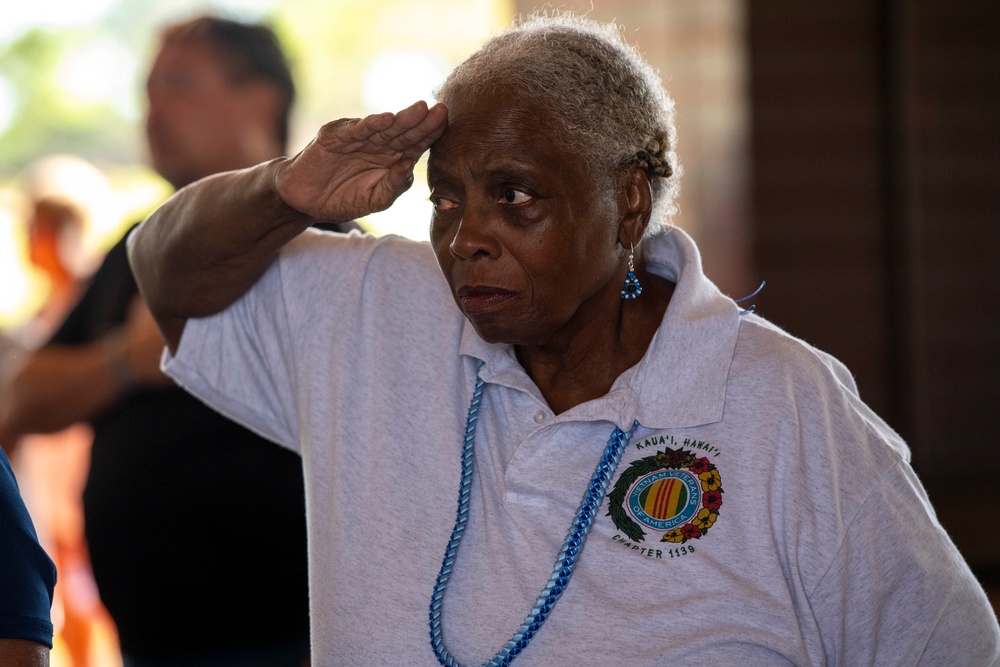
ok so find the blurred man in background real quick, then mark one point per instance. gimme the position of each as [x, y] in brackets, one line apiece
[200, 561]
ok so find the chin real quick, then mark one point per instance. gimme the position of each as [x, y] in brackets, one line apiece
[495, 332]
[503, 331]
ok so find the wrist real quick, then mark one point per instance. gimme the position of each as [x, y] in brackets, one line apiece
[273, 175]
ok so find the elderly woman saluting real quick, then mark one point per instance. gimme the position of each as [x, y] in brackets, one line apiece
[644, 476]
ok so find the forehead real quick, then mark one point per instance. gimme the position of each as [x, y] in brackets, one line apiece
[187, 57]
[498, 125]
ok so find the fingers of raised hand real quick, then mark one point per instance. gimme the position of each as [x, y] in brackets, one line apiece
[417, 127]
[407, 133]
[347, 133]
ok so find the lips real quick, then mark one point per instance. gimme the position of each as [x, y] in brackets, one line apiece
[479, 299]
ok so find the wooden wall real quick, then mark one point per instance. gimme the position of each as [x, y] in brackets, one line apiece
[876, 187]
[699, 49]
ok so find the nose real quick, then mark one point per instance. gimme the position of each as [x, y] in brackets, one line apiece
[474, 237]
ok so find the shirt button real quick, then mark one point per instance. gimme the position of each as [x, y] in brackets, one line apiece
[540, 416]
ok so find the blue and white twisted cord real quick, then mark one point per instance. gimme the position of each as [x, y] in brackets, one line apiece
[568, 555]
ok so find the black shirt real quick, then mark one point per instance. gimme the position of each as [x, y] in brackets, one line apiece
[196, 526]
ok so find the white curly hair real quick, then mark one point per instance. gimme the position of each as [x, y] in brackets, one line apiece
[609, 101]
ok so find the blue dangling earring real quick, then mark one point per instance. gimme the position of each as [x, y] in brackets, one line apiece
[632, 287]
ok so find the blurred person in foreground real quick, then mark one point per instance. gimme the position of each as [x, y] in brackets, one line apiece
[27, 580]
[196, 526]
[711, 489]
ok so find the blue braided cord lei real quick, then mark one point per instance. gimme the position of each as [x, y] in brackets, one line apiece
[565, 563]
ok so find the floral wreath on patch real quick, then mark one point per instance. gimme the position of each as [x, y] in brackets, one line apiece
[670, 459]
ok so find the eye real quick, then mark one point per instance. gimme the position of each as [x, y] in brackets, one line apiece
[442, 204]
[514, 196]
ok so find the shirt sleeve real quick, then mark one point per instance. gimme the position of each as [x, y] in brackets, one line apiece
[104, 304]
[244, 361]
[27, 574]
[898, 592]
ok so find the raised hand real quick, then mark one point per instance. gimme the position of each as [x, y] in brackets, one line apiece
[358, 166]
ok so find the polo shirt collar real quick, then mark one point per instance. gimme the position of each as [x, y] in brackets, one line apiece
[681, 380]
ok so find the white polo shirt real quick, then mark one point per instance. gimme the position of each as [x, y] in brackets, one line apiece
[761, 513]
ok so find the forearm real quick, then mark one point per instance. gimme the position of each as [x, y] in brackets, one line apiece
[23, 653]
[60, 386]
[209, 243]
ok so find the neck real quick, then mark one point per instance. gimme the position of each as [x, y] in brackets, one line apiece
[585, 365]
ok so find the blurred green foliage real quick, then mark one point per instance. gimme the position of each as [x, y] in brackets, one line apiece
[72, 86]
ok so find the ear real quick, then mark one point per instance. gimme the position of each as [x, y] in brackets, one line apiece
[635, 203]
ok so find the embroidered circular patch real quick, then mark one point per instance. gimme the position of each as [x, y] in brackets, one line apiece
[672, 493]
